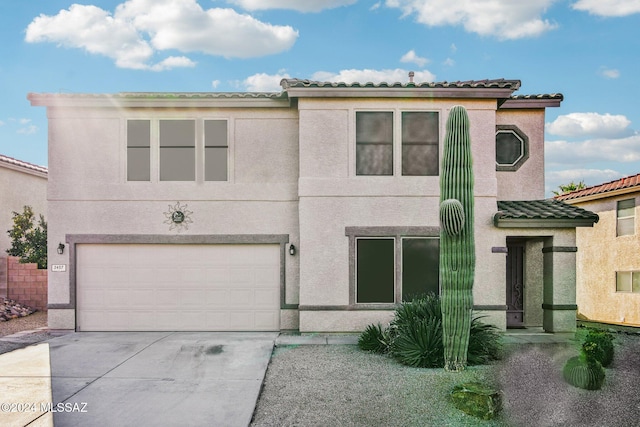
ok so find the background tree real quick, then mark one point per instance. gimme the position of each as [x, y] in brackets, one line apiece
[29, 241]
[568, 188]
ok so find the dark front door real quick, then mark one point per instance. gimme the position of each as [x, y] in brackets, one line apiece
[515, 284]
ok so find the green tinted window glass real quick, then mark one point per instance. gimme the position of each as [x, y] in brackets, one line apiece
[375, 270]
[420, 267]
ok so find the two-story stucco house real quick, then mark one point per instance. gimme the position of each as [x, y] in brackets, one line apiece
[608, 274]
[312, 209]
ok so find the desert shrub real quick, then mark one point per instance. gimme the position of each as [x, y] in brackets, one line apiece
[485, 343]
[585, 371]
[28, 240]
[419, 343]
[375, 339]
[604, 340]
[414, 336]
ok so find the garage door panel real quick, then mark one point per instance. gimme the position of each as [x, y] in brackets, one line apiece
[178, 287]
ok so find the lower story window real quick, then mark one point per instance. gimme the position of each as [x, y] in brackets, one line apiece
[628, 281]
[394, 269]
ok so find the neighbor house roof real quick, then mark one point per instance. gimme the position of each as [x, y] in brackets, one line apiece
[19, 165]
[628, 184]
[546, 213]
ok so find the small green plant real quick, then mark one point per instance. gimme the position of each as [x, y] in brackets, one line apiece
[375, 339]
[604, 340]
[584, 371]
[28, 241]
[414, 336]
[419, 343]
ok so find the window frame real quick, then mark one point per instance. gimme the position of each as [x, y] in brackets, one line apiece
[631, 217]
[154, 148]
[632, 274]
[524, 156]
[395, 233]
[397, 142]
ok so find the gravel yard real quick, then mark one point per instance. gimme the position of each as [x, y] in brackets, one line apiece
[339, 385]
[20, 324]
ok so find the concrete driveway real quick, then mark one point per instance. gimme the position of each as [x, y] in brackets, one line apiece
[158, 378]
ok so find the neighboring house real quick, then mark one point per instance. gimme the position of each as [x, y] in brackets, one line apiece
[21, 184]
[608, 281]
[313, 209]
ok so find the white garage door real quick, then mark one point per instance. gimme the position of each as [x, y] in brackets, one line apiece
[178, 287]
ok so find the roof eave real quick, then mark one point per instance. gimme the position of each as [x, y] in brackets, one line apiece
[159, 100]
[542, 222]
[520, 104]
[24, 169]
[398, 92]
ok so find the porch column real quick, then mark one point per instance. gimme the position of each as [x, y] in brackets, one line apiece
[559, 298]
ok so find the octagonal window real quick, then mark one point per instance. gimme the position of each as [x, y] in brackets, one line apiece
[512, 148]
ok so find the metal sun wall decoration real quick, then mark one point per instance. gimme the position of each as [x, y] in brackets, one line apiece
[178, 217]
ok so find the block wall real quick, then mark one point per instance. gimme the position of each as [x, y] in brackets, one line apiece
[26, 284]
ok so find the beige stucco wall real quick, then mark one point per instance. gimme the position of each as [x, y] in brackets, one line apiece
[18, 189]
[527, 183]
[332, 198]
[601, 254]
[89, 193]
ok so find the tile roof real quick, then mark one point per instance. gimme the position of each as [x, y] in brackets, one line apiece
[602, 190]
[495, 83]
[10, 161]
[541, 211]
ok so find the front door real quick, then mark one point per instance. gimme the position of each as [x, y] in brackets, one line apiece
[515, 284]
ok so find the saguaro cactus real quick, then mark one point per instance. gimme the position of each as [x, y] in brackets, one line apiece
[457, 246]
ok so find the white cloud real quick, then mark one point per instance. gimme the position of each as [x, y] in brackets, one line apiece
[215, 84]
[29, 130]
[504, 19]
[609, 73]
[173, 62]
[590, 124]
[376, 6]
[265, 82]
[449, 62]
[139, 29]
[623, 150]
[299, 5]
[609, 8]
[375, 76]
[413, 58]
[2, 123]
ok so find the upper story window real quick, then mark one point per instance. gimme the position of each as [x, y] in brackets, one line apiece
[376, 143]
[625, 217]
[138, 150]
[181, 156]
[512, 148]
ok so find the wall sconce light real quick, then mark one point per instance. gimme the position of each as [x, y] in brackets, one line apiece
[61, 248]
[292, 249]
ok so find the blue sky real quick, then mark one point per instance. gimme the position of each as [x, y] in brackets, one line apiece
[588, 50]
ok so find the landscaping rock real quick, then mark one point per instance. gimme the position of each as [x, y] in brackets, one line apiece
[477, 400]
[10, 309]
